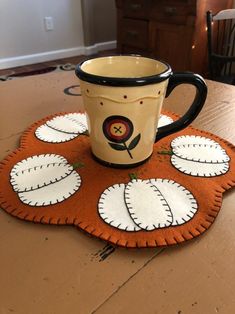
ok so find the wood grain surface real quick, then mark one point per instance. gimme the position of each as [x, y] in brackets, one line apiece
[58, 269]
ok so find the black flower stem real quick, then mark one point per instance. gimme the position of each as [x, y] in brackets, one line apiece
[124, 143]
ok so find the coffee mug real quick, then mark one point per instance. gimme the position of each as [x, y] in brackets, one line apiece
[123, 97]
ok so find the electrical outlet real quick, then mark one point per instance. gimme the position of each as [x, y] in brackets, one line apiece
[48, 23]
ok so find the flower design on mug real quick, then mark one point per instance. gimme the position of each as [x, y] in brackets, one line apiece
[118, 130]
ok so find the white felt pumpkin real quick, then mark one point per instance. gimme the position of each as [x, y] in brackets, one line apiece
[112, 208]
[43, 180]
[62, 128]
[199, 156]
[146, 204]
[164, 120]
[181, 202]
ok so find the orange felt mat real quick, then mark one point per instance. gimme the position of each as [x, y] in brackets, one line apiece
[175, 196]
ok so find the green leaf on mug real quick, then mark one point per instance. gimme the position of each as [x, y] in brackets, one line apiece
[134, 142]
[117, 146]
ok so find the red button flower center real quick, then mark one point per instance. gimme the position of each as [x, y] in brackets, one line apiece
[117, 129]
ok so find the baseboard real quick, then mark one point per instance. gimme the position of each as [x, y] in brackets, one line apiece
[89, 50]
[12, 62]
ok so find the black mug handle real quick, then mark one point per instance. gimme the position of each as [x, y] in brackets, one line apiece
[201, 92]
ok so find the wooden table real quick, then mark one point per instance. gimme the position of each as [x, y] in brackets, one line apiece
[58, 269]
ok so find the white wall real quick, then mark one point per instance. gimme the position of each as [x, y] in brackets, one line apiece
[22, 31]
[24, 40]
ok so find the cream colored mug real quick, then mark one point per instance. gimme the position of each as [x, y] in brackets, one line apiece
[123, 97]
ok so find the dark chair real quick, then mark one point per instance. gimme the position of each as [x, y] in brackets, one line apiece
[221, 45]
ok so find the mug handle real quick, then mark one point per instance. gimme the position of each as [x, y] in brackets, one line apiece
[201, 92]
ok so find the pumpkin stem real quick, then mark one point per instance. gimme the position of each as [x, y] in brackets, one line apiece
[133, 176]
[85, 133]
[166, 152]
[77, 165]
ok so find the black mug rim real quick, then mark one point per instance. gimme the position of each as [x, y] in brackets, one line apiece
[119, 81]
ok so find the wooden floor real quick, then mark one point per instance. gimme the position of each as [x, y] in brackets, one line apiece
[43, 65]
